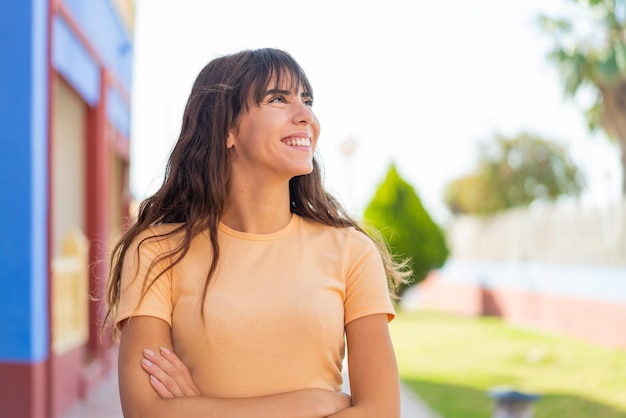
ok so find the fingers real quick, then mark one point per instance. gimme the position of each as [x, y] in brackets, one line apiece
[169, 376]
[182, 375]
[163, 372]
[158, 376]
[160, 388]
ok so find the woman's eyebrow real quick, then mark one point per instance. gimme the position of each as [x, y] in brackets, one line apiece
[278, 91]
[283, 92]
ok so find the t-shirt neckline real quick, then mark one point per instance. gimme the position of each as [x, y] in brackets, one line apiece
[260, 237]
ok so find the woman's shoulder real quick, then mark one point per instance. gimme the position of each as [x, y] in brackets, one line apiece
[347, 234]
[161, 235]
[165, 229]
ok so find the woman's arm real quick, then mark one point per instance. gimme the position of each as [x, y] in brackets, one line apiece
[140, 399]
[374, 381]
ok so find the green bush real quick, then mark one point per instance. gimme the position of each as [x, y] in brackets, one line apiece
[397, 212]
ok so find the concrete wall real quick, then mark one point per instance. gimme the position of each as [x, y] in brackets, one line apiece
[594, 320]
[557, 269]
[553, 234]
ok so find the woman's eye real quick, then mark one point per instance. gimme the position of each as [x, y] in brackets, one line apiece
[308, 102]
[278, 99]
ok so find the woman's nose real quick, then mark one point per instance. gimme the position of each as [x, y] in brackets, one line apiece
[303, 113]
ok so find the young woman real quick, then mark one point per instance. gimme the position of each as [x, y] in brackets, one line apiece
[233, 292]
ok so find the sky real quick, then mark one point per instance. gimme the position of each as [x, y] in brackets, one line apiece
[414, 83]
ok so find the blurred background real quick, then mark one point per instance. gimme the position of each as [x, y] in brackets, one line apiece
[415, 83]
[486, 140]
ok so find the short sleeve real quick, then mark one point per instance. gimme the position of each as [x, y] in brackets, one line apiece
[141, 267]
[367, 292]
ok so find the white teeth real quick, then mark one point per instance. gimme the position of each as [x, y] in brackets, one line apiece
[298, 142]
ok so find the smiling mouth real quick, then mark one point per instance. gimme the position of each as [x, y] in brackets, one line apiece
[298, 142]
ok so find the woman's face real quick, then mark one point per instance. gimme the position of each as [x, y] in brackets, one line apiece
[277, 137]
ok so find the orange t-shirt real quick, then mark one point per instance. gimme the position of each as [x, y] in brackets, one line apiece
[275, 310]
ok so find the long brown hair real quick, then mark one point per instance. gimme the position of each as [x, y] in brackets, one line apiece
[196, 177]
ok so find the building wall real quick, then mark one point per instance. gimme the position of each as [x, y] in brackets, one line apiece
[561, 270]
[64, 116]
[599, 321]
[23, 213]
[23, 183]
[552, 234]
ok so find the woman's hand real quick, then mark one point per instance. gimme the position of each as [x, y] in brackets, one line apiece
[171, 392]
[169, 376]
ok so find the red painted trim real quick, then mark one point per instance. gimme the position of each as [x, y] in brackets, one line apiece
[599, 322]
[115, 83]
[97, 193]
[110, 79]
[595, 321]
[23, 390]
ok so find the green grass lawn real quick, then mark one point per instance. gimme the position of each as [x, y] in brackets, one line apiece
[452, 361]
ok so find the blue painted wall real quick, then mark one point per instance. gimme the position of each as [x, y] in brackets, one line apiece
[24, 140]
[73, 62]
[23, 181]
[104, 30]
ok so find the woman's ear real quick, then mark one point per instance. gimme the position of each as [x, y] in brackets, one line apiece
[230, 139]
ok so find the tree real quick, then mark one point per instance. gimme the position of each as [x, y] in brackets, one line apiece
[514, 172]
[397, 212]
[595, 58]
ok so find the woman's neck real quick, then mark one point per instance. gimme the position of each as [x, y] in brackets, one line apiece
[257, 210]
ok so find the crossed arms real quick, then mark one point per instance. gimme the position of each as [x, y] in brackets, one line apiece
[162, 386]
